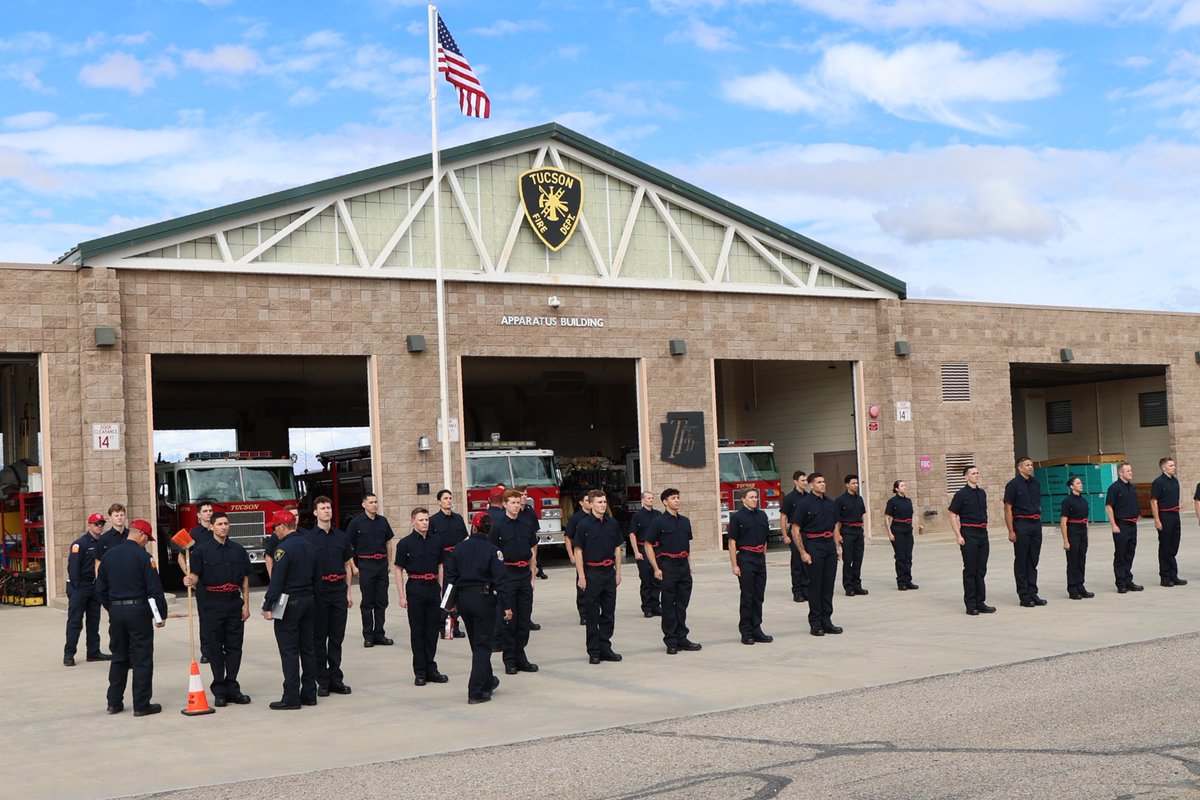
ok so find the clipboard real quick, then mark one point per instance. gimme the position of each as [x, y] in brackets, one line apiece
[279, 607]
[449, 597]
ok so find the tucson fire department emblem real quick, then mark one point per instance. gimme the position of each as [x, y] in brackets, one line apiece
[553, 200]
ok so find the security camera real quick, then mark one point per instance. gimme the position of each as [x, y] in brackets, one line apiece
[554, 302]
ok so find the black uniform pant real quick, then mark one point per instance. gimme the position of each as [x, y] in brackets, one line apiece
[1124, 548]
[1076, 561]
[975, 550]
[852, 558]
[1027, 551]
[424, 625]
[600, 602]
[297, 651]
[651, 587]
[222, 624]
[514, 635]
[131, 638]
[82, 602]
[902, 548]
[676, 594]
[478, 611]
[373, 582]
[822, 576]
[800, 580]
[1168, 545]
[330, 615]
[580, 603]
[753, 585]
[204, 649]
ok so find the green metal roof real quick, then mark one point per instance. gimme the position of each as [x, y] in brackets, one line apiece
[551, 131]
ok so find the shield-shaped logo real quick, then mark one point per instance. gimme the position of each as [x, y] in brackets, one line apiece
[553, 200]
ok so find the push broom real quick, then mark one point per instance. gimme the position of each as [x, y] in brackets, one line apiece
[197, 703]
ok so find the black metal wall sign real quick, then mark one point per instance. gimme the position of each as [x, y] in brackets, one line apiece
[683, 439]
[552, 199]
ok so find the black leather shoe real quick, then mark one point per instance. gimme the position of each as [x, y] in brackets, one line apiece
[527, 667]
[310, 702]
[495, 685]
[99, 657]
[419, 680]
[368, 642]
[912, 587]
[220, 702]
[240, 699]
[672, 650]
[1166, 582]
[339, 688]
[1122, 590]
[1039, 601]
[203, 659]
[68, 661]
[762, 637]
[645, 614]
[583, 621]
[438, 677]
[902, 587]
[861, 591]
[799, 599]
[972, 612]
[510, 669]
[476, 700]
[657, 612]
[1180, 582]
[747, 640]
[986, 609]
[1085, 594]
[383, 641]
[542, 574]
[831, 629]
[1134, 587]
[1027, 602]
[322, 691]
[817, 631]
[279, 705]
[692, 646]
[117, 709]
[850, 593]
[1075, 596]
[459, 634]
[593, 659]
[533, 626]
[610, 656]
[153, 708]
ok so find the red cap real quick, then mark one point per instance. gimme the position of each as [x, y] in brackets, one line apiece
[497, 494]
[280, 518]
[96, 519]
[478, 519]
[143, 526]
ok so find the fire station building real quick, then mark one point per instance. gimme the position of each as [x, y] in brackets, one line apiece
[594, 304]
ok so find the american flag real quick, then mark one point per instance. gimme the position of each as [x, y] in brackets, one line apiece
[472, 99]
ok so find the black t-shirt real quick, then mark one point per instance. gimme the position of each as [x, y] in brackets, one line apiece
[670, 533]
[1166, 491]
[1075, 507]
[597, 538]
[900, 508]
[1025, 496]
[749, 528]
[1123, 499]
[971, 506]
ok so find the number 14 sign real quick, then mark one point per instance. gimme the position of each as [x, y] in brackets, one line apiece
[106, 436]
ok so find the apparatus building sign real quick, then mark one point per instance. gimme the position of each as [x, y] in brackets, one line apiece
[552, 199]
[553, 322]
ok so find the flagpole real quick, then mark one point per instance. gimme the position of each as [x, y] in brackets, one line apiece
[440, 289]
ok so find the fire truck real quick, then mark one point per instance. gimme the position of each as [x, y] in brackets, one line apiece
[345, 478]
[517, 463]
[745, 464]
[248, 485]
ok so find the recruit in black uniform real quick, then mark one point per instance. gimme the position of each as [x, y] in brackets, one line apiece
[668, 546]
[222, 567]
[295, 574]
[476, 572]
[748, 533]
[420, 556]
[598, 545]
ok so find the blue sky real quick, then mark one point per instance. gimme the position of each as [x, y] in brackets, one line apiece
[1029, 151]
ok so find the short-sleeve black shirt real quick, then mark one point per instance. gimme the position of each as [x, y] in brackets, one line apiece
[1166, 491]
[899, 508]
[640, 522]
[851, 508]
[1075, 507]
[1123, 499]
[670, 533]
[749, 528]
[1025, 496]
[450, 528]
[419, 555]
[816, 513]
[971, 505]
[598, 538]
[369, 537]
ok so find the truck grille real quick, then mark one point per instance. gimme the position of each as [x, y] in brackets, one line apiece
[246, 528]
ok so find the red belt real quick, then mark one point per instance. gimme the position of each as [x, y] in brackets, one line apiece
[1130, 519]
[906, 521]
[449, 549]
[423, 576]
[608, 562]
[371, 555]
[753, 548]
[334, 577]
[972, 524]
[852, 524]
[1027, 516]
[224, 587]
[822, 535]
[1176, 508]
[1076, 521]
[516, 563]
[683, 554]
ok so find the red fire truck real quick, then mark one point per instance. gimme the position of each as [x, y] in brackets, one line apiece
[745, 464]
[248, 485]
[345, 478]
[517, 463]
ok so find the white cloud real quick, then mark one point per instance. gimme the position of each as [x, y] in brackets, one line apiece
[225, 59]
[124, 71]
[506, 27]
[1187, 16]
[1136, 62]
[934, 81]
[96, 145]
[994, 209]
[704, 36]
[304, 96]
[323, 40]
[910, 14]
[31, 120]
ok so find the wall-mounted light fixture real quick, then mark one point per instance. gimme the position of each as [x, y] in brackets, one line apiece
[106, 337]
[678, 347]
[416, 343]
[423, 444]
[902, 348]
[1066, 354]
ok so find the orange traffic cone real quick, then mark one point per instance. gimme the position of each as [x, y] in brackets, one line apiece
[197, 698]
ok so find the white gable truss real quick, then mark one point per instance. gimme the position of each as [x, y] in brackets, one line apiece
[631, 233]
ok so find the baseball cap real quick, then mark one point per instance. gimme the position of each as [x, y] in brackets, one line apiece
[497, 494]
[280, 518]
[478, 519]
[143, 526]
[96, 519]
